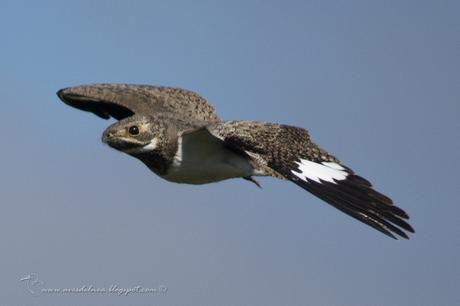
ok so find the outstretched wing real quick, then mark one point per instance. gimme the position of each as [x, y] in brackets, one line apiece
[123, 100]
[288, 152]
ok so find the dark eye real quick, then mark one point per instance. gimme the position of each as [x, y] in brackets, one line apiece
[133, 130]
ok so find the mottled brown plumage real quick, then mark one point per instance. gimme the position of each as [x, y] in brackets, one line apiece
[178, 136]
[270, 143]
[123, 100]
[276, 148]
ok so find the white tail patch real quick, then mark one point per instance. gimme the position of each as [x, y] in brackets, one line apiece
[326, 171]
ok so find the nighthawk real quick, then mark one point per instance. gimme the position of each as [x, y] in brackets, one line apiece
[176, 134]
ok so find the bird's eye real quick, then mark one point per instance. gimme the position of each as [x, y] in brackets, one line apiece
[133, 130]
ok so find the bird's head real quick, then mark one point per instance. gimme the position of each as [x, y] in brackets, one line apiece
[135, 135]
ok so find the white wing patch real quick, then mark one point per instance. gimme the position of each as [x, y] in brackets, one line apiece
[326, 171]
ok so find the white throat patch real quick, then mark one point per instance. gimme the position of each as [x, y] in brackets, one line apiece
[147, 148]
[325, 171]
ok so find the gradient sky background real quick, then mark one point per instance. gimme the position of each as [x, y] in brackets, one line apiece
[377, 83]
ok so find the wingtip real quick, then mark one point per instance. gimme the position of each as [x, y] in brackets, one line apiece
[60, 93]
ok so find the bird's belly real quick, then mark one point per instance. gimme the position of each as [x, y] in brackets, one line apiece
[208, 169]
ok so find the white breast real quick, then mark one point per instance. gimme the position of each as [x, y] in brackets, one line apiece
[201, 158]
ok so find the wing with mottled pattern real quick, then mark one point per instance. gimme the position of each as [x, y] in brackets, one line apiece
[123, 100]
[289, 152]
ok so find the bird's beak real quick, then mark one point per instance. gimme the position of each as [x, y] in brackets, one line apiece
[106, 136]
[112, 137]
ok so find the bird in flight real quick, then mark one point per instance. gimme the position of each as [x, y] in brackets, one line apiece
[177, 135]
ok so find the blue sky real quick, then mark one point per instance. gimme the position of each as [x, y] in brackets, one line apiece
[376, 83]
